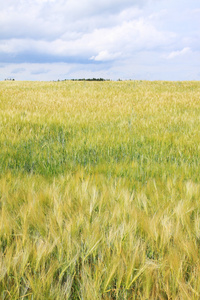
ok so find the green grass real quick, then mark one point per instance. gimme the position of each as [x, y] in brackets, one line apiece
[99, 190]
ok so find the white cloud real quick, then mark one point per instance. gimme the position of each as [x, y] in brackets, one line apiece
[100, 44]
[45, 19]
[182, 52]
[105, 55]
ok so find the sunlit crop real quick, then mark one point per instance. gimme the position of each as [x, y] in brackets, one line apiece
[99, 190]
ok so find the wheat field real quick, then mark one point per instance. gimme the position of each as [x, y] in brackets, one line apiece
[99, 190]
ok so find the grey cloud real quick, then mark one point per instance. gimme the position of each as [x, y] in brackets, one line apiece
[33, 57]
[74, 9]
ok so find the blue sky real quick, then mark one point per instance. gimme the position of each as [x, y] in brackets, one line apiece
[127, 39]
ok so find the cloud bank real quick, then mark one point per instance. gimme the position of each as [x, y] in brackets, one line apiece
[51, 39]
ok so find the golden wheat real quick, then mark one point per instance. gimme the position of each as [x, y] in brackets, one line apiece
[99, 190]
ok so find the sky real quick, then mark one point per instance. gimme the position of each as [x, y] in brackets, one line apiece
[112, 39]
